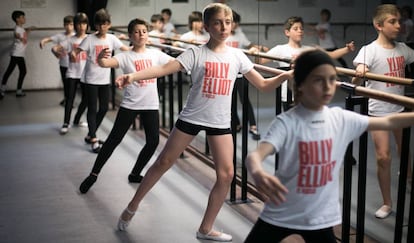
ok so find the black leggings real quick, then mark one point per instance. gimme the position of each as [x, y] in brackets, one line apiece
[263, 232]
[94, 115]
[72, 85]
[123, 121]
[19, 61]
[250, 114]
[64, 81]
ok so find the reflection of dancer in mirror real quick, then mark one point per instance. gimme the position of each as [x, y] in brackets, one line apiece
[387, 57]
[296, 203]
[212, 65]
[238, 39]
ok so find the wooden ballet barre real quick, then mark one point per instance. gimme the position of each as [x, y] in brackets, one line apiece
[268, 69]
[375, 94]
[170, 47]
[378, 77]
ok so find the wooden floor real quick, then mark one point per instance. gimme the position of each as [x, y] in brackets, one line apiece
[41, 172]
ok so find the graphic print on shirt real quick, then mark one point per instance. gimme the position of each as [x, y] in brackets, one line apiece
[81, 56]
[315, 165]
[98, 49]
[396, 67]
[216, 81]
[141, 65]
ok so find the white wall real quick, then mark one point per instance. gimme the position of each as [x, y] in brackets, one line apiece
[43, 72]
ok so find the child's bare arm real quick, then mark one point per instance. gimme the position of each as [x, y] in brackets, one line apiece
[267, 84]
[105, 60]
[391, 122]
[361, 69]
[269, 185]
[349, 47]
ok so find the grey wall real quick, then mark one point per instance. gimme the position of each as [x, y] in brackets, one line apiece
[43, 67]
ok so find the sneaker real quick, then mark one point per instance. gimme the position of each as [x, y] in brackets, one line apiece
[221, 237]
[80, 124]
[20, 93]
[88, 140]
[64, 129]
[96, 147]
[383, 212]
[135, 178]
[87, 183]
[62, 103]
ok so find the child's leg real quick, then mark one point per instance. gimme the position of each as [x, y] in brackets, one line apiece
[266, 233]
[398, 139]
[382, 151]
[82, 105]
[103, 97]
[71, 86]
[92, 96]
[222, 151]
[151, 123]
[66, 90]
[176, 144]
[315, 236]
[22, 72]
[121, 125]
[9, 70]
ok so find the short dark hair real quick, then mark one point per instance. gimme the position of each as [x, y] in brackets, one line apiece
[80, 18]
[156, 17]
[102, 16]
[291, 21]
[68, 19]
[195, 16]
[236, 17]
[166, 11]
[135, 22]
[327, 13]
[16, 14]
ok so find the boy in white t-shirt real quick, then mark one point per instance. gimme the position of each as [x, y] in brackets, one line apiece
[97, 79]
[294, 32]
[196, 35]
[61, 54]
[214, 67]
[387, 57]
[74, 73]
[168, 28]
[140, 98]
[17, 54]
[302, 196]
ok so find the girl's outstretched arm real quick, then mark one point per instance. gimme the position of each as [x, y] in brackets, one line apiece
[268, 84]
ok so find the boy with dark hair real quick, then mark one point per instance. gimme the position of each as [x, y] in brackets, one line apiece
[61, 54]
[17, 54]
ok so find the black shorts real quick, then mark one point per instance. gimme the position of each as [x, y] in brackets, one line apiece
[193, 129]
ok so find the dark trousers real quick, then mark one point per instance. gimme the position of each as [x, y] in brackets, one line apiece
[95, 116]
[238, 87]
[72, 86]
[64, 81]
[19, 61]
[263, 232]
[123, 121]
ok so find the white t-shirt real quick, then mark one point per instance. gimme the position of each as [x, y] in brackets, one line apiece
[168, 29]
[238, 40]
[59, 38]
[286, 51]
[390, 62]
[311, 147]
[325, 41]
[142, 94]
[75, 69]
[94, 74]
[191, 36]
[213, 75]
[19, 46]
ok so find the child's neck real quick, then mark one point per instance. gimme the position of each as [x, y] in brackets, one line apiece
[216, 46]
[385, 42]
[294, 44]
[80, 34]
[101, 35]
[139, 48]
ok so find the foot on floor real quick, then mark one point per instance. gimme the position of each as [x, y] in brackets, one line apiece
[125, 219]
[214, 236]
[135, 178]
[383, 212]
[87, 183]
